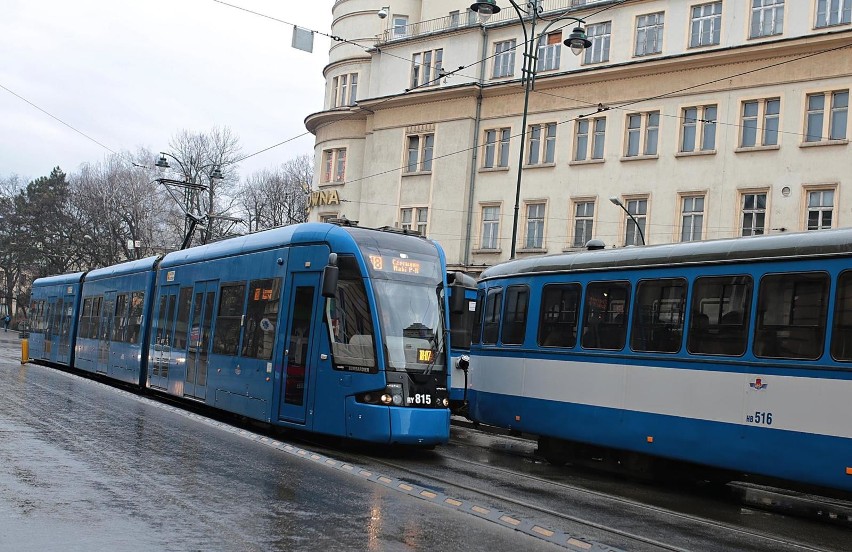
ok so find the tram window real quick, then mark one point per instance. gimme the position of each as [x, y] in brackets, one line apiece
[719, 315]
[181, 327]
[841, 334]
[350, 321]
[95, 325]
[462, 325]
[134, 318]
[491, 319]
[262, 318]
[791, 311]
[85, 317]
[658, 316]
[119, 324]
[557, 326]
[515, 315]
[226, 339]
[477, 321]
[57, 316]
[604, 322]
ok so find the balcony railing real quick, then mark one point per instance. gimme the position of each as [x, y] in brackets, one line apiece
[469, 19]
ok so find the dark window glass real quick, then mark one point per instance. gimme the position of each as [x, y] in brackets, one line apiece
[719, 315]
[491, 320]
[605, 315]
[57, 316]
[262, 318]
[298, 346]
[350, 319]
[658, 316]
[515, 316]
[134, 319]
[162, 335]
[226, 339]
[119, 322]
[477, 321]
[560, 305]
[841, 333]
[95, 326]
[462, 325]
[85, 318]
[791, 311]
[181, 326]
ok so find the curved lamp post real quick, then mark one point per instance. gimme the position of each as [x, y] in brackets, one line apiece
[616, 201]
[577, 41]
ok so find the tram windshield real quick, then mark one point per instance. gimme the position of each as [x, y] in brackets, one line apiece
[412, 331]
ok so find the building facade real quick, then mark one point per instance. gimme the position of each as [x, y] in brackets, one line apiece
[702, 119]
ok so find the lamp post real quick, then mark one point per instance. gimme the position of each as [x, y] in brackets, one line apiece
[577, 41]
[616, 201]
[190, 188]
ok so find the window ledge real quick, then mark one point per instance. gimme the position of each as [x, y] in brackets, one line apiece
[823, 143]
[639, 157]
[539, 166]
[531, 250]
[748, 149]
[586, 162]
[416, 173]
[493, 169]
[486, 251]
[329, 184]
[697, 153]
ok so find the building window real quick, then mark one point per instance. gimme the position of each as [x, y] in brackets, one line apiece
[767, 17]
[754, 214]
[833, 12]
[538, 153]
[504, 59]
[345, 89]
[490, 227]
[496, 148]
[426, 68]
[535, 226]
[400, 26]
[420, 147]
[753, 112]
[839, 105]
[694, 119]
[706, 24]
[334, 165]
[820, 209]
[549, 48]
[639, 141]
[599, 50]
[454, 19]
[692, 217]
[584, 219]
[597, 128]
[328, 217]
[635, 230]
[649, 34]
[414, 218]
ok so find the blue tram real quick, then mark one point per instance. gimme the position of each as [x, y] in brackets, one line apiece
[331, 329]
[54, 312]
[735, 354]
[462, 297]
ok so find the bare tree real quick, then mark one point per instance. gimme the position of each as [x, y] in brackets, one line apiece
[12, 248]
[277, 198]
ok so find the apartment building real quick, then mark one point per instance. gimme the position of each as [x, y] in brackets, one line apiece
[700, 119]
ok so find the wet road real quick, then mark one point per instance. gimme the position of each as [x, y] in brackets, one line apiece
[87, 467]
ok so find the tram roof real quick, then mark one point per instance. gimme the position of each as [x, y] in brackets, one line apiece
[130, 267]
[59, 279]
[755, 248]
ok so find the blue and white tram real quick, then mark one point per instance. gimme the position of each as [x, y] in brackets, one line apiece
[735, 354]
[462, 316]
[330, 329]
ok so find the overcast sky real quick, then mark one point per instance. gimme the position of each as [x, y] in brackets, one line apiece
[132, 73]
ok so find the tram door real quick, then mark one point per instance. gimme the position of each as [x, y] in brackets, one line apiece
[48, 328]
[163, 338]
[105, 332]
[66, 311]
[204, 295]
[299, 348]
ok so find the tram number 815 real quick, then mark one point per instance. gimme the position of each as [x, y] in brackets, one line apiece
[420, 398]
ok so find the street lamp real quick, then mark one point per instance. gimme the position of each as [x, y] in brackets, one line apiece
[577, 41]
[616, 201]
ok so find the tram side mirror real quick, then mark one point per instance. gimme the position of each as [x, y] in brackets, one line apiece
[457, 300]
[330, 275]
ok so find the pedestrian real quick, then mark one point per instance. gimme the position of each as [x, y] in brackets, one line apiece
[6, 320]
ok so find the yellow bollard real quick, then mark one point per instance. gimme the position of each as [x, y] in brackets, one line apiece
[25, 350]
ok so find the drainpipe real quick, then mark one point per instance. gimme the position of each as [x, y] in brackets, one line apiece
[475, 150]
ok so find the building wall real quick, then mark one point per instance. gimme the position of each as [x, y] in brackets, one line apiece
[460, 108]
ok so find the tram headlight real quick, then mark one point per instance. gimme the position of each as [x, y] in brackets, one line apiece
[394, 390]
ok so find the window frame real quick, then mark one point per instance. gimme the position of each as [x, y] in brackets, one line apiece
[420, 152]
[587, 220]
[645, 136]
[844, 14]
[587, 142]
[497, 149]
[829, 108]
[653, 29]
[426, 73]
[545, 333]
[541, 145]
[493, 233]
[516, 306]
[637, 327]
[692, 214]
[775, 299]
[767, 8]
[600, 34]
[333, 166]
[713, 19]
[537, 236]
[753, 211]
[764, 123]
[702, 121]
[820, 209]
[504, 59]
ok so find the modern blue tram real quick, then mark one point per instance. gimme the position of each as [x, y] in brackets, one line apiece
[734, 354]
[325, 328]
[462, 297]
